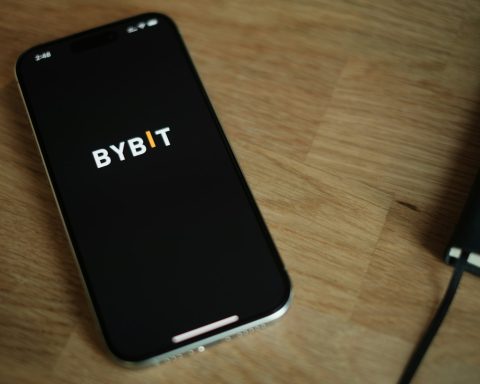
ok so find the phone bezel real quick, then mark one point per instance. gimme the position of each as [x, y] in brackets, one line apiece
[219, 335]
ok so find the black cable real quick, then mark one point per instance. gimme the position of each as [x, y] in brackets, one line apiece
[442, 310]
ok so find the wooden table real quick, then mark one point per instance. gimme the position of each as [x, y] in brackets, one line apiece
[357, 126]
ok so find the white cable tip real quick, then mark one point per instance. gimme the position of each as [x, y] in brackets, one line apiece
[473, 257]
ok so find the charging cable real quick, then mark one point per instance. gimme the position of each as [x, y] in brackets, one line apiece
[464, 253]
[442, 310]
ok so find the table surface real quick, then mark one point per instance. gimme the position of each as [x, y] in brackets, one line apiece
[357, 127]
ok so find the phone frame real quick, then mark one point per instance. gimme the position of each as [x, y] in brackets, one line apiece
[200, 344]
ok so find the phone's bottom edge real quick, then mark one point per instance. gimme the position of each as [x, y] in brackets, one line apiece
[200, 345]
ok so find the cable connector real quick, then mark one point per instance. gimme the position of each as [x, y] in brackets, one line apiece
[466, 237]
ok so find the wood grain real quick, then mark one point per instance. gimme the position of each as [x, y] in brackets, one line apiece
[357, 126]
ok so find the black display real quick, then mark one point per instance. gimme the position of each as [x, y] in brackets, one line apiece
[165, 230]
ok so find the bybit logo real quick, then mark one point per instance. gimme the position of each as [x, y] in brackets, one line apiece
[136, 145]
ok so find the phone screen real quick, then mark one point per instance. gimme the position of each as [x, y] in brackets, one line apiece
[170, 243]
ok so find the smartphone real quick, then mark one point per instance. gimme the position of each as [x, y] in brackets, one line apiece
[170, 244]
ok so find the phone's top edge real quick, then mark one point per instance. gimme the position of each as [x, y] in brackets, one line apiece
[85, 32]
